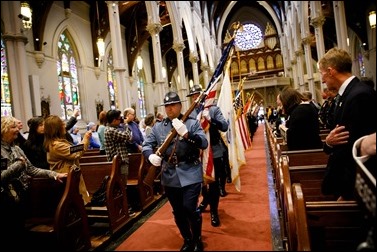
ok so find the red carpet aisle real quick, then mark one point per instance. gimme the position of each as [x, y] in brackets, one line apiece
[245, 215]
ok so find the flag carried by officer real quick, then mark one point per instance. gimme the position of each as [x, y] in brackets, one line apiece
[207, 155]
[232, 137]
[207, 158]
[240, 121]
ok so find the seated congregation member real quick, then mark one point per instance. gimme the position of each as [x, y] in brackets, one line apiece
[94, 140]
[75, 135]
[21, 139]
[16, 171]
[58, 148]
[182, 170]
[302, 123]
[33, 147]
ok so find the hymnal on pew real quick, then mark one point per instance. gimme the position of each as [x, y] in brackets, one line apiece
[76, 148]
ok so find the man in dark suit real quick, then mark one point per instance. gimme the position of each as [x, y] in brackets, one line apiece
[354, 117]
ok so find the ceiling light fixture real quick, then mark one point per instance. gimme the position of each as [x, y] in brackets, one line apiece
[100, 41]
[25, 15]
[372, 19]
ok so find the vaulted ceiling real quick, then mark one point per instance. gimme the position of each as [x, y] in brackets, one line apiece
[133, 16]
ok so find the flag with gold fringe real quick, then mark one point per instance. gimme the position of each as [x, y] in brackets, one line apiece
[232, 137]
[241, 124]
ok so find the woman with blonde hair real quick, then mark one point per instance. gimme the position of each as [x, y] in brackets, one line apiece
[16, 172]
[58, 149]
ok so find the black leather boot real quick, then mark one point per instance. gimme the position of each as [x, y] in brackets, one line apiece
[184, 228]
[215, 221]
[223, 193]
[196, 226]
[198, 244]
[187, 245]
[203, 205]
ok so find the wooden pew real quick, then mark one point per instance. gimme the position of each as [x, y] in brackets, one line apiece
[140, 180]
[56, 215]
[91, 152]
[310, 176]
[327, 225]
[93, 159]
[115, 213]
[365, 187]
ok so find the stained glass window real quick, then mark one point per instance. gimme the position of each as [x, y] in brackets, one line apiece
[69, 93]
[140, 93]
[250, 37]
[6, 101]
[111, 82]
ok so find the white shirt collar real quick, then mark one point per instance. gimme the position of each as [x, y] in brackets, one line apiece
[345, 84]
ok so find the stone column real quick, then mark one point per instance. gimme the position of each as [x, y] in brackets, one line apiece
[309, 68]
[120, 67]
[154, 29]
[178, 48]
[340, 25]
[205, 71]
[15, 40]
[300, 69]
[194, 59]
[317, 22]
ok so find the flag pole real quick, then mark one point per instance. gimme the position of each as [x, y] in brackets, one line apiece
[215, 77]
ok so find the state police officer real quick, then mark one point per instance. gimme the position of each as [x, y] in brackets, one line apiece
[217, 123]
[182, 172]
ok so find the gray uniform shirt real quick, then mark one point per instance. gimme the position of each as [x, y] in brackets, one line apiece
[188, 169]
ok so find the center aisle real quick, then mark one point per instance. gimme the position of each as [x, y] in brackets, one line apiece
[245, 216]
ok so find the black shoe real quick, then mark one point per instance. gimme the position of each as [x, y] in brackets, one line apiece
[198, 245]
[215, 221]
[187, 245]
[223, 193]
[229, 180]
[202, 206]
[131, 212]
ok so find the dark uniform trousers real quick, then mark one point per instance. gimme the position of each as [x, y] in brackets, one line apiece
[184, 200]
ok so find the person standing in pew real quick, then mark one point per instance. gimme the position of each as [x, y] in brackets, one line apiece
[101, 131]
[135, 145]
[58, 149]
[182, 170]
[116, 143]
[16, 171]
[354, 117]
[302, 124]
[212, 190]
[33, 147]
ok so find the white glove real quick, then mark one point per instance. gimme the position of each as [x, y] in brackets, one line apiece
[206, 115]
[179, 127]
[155, 159]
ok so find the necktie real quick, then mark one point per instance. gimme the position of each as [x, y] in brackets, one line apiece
[337, 102]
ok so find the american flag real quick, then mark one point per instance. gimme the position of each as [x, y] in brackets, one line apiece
[207, 158]
[240, 120]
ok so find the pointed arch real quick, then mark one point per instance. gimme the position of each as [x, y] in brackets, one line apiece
[68, 80]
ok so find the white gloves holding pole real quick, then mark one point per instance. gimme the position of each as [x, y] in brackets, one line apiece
[155, 159]
[179, 126]
[206, 115]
